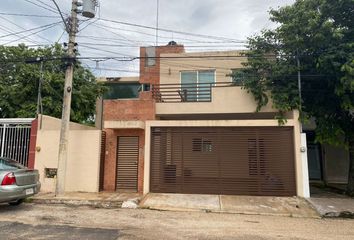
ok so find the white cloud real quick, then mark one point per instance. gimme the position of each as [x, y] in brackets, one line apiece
[234, 19]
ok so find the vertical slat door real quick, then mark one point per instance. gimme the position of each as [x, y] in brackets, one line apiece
[231, 160]
[127, 163]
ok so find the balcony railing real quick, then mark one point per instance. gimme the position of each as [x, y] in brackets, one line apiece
[189, 92]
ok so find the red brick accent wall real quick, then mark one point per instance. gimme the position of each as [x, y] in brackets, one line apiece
[139, 109]
[110, 167]
[33, 141]
[129, 110]
[152, 74]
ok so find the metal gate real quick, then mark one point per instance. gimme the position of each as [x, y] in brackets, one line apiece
[15, 138]
[237, 160]
[127, 163]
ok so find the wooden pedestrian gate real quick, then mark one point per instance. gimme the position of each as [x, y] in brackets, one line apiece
[127, 164]
[223, 160]
[15, 139]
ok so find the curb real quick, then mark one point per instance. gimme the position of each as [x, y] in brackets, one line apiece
[78, 203]
[330, 214]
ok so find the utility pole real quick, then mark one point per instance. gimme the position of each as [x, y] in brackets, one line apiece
[299, 84]
[65, 120]
[39, 97]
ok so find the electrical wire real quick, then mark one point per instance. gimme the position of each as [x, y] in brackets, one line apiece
[8, 30]
[61, 15]
[27, 15]
[137, 46]
[160, 36]
[171, 31]
[29, 30]
[23, 28]
[31, 34]
[117, 34]
[107, 51]
[87, 25]
[40, 6]
[49, 6]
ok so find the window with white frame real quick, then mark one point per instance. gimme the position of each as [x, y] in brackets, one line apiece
[196, 85]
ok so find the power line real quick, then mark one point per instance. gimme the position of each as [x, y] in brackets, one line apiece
[9, 31]
[40, 6]
[119, 35]
[107, 51]
[31, 34]
[134, 46]
[160, 36]
[48, 5]
[29, 30]
[23, 28]
[28, 15]
[171, 31]
[61, 15]
[90, 23]
[132, 58]
[152, 35]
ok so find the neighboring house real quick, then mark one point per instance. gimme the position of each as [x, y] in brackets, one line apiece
[185, 126]
[327, 164]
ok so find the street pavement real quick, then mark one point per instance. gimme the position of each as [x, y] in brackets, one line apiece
[41, 221]
[21, 231]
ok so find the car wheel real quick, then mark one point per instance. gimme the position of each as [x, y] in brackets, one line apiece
[16, 203]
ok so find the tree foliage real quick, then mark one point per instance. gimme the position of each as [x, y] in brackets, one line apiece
[19, 84]
[320, 34]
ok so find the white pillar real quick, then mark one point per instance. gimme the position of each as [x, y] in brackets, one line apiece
[305, 170]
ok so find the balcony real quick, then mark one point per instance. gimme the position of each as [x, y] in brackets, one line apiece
[209, 98]
[191, 92]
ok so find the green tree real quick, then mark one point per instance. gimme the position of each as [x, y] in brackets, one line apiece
[19, 84]
[320, 34]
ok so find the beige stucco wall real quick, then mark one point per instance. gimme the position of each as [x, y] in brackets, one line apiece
[300, 169]
[83, 162]
[171, 67]
[51, 123]
[224, 100]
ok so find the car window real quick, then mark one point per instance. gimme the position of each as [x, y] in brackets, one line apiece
[6, 164]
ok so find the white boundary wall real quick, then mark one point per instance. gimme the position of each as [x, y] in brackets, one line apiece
[83, 164]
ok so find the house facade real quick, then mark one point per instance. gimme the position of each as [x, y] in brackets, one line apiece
[186, 126]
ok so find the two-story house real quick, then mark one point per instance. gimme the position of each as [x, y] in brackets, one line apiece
[186, 126]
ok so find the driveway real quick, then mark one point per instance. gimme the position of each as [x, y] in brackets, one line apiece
[277, 206]
[37, 221]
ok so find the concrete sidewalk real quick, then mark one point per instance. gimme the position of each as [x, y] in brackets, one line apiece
[98, 200]
[331, 204]
[334, 207]
[275, 206]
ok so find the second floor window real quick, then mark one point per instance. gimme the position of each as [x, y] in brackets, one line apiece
[196, 85]
[122, 90]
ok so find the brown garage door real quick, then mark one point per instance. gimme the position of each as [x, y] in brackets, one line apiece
[237, 160]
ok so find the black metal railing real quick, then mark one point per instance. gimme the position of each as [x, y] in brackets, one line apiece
[187, 92]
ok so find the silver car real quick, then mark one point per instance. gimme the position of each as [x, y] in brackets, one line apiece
[17, 182]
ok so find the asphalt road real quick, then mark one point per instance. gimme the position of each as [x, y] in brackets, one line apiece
[20, 231]
[47, 222]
